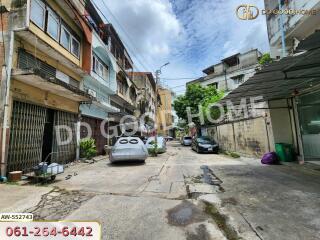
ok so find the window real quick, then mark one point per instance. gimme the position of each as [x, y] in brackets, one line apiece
[38, 13]
[53, 25]
[238, 79]
[45, 18]
[215, 85]
[100, 68]
[65, 38]
[75, 47]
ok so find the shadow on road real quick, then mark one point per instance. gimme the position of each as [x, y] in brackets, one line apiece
[126, 163]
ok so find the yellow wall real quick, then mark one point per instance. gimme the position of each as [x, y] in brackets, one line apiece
[27, 93]
[19, 43]
[164, 111]
[70, 22]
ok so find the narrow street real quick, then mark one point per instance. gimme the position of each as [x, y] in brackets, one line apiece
[174, 196]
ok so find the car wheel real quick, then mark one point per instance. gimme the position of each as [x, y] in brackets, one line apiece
[197, 150]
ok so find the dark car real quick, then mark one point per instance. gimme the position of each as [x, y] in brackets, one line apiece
[204, 145]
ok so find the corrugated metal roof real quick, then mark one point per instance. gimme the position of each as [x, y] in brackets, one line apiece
[282, 79]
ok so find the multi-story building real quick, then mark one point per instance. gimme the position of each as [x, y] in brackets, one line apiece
[232, 71]
[164, 111]
[125, 98]
[146, 93]
[101, 83]
[45, 47]
[296, 27]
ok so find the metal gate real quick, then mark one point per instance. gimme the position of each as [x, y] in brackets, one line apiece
[64, 125]
[26, 136]
[95, 124]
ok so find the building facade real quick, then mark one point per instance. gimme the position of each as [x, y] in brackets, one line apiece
[294, 27]
[230, 72]
[45, 47]
[164, 111]
[146, 85]
[101, 83]
[126, 95]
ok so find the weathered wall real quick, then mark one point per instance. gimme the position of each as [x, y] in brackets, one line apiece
[248, 137]
[251, 137]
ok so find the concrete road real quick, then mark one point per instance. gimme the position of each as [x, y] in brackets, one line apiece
[181, 195]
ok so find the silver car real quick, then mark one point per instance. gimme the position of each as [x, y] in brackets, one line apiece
[186, 141]
[161, 142]
[128, 149]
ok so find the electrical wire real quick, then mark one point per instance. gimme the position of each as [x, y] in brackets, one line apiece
[128, 47]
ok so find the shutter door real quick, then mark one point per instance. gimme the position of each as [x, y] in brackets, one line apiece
[26, 136]
[65, 153]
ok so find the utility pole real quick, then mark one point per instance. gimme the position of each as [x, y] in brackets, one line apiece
[158, 73]
[283, 37]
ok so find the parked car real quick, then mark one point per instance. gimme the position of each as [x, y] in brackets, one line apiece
[168, 138]
[128, 149]
[186, 141]
[161, 142]
[204, 145]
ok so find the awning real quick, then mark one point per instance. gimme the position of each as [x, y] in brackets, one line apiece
[106, 106]
[283, 79]
[52, 85]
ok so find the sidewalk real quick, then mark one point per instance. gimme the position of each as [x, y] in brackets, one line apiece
[269, 202]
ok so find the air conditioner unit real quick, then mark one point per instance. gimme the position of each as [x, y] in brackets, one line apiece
[92, 93]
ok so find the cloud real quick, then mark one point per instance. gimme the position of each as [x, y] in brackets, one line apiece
[146, 26]
[191, 34]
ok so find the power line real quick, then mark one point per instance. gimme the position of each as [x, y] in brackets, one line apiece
[124, 31]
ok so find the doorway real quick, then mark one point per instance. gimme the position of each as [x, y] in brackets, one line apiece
[48, 137]
[309, 118]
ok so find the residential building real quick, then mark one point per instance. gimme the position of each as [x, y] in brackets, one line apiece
[146, 93]
[296, 27]
[231, 72]
[164, 111]
[290, 90]
[45, 47]
[101, 83]
[126, 95]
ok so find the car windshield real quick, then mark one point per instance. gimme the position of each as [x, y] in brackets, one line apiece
[188, 138]
[205, 140]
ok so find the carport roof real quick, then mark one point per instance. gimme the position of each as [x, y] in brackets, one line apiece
[285, 78]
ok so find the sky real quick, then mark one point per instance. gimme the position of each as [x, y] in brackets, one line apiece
[190, 34]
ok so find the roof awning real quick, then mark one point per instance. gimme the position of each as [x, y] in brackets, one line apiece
[283, 79]
[52, 85]
[106, 106]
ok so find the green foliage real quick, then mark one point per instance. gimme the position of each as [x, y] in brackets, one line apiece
[196, 96]
[88, 148]
[154, 150]
[265, 59]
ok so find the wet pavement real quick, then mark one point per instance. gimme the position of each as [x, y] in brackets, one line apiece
[180, 195]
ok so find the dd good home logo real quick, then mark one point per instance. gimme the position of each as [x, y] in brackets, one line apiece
[247, 12]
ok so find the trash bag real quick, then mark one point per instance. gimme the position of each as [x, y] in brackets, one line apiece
[270, 158]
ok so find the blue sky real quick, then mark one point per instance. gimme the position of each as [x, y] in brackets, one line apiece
[190, 34]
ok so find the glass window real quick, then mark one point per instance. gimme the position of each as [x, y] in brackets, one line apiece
[99, 68]
[65, 38]
[75, 47]
[53, 25]
[38, 13]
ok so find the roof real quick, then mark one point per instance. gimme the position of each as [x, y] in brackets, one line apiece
[149, 75]
[283, 79]
[196, 81]
[229, 60]
[311, 42]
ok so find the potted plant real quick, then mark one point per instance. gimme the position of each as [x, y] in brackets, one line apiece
[88, 148]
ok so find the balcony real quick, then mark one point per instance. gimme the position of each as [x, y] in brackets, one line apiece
[38, 79]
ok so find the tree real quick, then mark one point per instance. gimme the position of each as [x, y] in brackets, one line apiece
[265, 59]
[197, 96]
